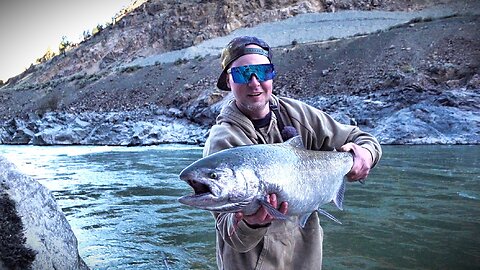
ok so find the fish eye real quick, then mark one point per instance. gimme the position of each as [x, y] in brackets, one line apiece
[213, 175]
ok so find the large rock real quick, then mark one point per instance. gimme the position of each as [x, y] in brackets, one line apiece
[410, 116]
[34, 232]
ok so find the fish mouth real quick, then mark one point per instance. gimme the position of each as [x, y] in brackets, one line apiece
[199, 188]
[202, 196]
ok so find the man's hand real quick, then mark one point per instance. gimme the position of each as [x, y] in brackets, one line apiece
[261, 217]
[362, 161]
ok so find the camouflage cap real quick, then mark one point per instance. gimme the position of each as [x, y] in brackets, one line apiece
[236, 48]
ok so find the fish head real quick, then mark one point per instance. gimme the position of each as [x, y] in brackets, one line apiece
[218, 186]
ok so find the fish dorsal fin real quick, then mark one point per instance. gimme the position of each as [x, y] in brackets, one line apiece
[295, 142]
[338, 200]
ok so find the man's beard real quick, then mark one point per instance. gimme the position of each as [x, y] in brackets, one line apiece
[256, 107]
[252, 109]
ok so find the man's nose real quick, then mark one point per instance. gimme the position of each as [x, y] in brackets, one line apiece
[253, 80]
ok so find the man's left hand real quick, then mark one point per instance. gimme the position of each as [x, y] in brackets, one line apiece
[362, 161]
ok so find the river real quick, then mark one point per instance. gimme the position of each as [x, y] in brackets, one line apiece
[420, 208]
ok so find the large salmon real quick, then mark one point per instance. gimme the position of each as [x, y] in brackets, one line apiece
[238, 179]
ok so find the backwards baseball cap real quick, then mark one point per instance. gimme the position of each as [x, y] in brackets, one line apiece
[236, 48]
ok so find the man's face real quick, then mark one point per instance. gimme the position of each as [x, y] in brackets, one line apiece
[251, 98]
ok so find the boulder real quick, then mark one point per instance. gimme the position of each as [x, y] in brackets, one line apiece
[34, 232]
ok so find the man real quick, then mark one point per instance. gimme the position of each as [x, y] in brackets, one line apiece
[255, 116]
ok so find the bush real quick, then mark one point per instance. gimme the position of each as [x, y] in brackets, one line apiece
[97, 29]
[64, 45]
[49, 54]
[13, 251]
[180, 61]
[86, 35]
[130, 69]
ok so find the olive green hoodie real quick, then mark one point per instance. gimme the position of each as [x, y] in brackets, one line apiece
[282, 244]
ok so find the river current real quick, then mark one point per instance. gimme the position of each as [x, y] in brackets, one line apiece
[419, 209]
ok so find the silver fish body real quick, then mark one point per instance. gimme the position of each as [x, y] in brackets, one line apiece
[238, 179]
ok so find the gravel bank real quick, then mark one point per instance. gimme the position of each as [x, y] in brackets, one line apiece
[313, 27]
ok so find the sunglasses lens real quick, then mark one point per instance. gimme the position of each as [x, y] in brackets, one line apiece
[243, 74]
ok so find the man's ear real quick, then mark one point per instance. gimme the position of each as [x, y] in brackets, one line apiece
[227, 78]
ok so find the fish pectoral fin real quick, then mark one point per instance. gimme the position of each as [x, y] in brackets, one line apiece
[330, 216]
[272, 211]
[233, 225]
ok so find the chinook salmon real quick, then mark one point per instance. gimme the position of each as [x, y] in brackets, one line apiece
[239, 179]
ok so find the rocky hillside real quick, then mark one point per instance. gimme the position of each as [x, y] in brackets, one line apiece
[158, 26]
[417, 82]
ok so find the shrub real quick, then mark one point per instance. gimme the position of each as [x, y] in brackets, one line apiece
[97, 29]
[130, 69]
[180, 61]
[49, 54]
[64, 45]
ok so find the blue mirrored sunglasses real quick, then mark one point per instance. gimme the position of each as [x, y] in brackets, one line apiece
[243, 74]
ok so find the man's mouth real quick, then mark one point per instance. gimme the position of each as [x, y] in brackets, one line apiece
[254, 94]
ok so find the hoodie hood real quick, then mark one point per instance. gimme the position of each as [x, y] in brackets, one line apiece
[230, 114]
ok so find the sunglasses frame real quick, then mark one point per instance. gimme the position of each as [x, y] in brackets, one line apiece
[243, 75]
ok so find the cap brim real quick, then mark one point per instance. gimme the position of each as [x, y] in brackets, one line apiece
[222, 81]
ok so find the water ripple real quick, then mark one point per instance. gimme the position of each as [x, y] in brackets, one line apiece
[418, 210]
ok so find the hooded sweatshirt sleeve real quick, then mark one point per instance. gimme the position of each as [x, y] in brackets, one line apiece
[240, 237]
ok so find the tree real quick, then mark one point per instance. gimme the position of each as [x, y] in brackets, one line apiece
[97, 29]
[64, 45]
[86, 34]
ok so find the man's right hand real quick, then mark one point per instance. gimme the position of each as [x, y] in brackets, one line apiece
[262, 218]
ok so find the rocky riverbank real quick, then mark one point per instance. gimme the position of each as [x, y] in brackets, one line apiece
[415, 117]
[140, 127]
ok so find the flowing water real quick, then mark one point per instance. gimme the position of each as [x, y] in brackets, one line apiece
[420, 208]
